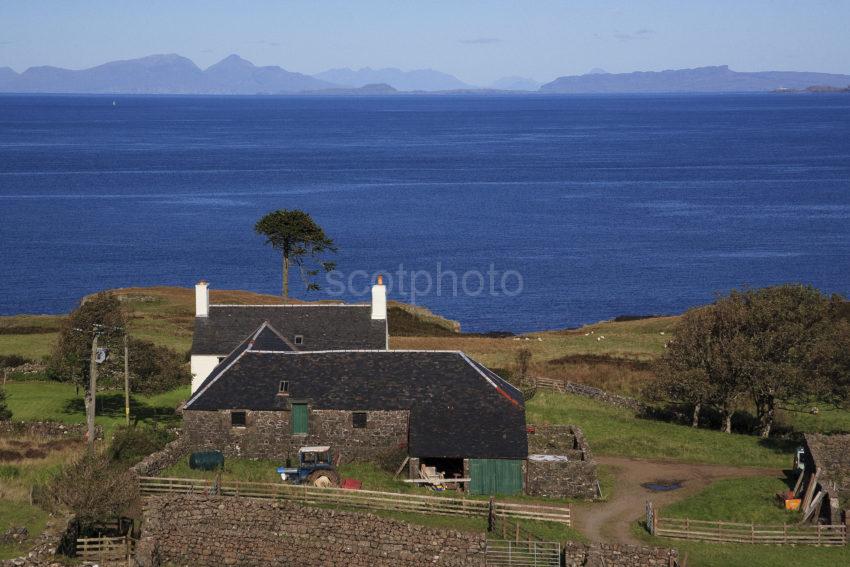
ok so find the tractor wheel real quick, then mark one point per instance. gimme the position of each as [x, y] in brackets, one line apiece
[323, 478]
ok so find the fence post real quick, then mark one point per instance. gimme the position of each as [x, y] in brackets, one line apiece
[819, 532]
[752, 533]
[491, 516]
[785, 533]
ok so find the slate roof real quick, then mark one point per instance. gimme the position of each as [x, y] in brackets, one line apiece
[324, 327]
[458, 408]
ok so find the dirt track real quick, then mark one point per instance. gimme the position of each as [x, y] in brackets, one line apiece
[611, 521]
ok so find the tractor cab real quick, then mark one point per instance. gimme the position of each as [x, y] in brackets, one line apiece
[315, 467]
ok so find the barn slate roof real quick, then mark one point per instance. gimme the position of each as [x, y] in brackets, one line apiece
[458, 408]
[324, 327]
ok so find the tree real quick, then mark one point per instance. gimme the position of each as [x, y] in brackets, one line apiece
[301, 242]
[523, 361]
[97, 323]
[155, 369]
[777, 345]
[695, 370]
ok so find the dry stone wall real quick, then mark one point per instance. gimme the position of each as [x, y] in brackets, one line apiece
[574, 478]
[616, 555]
[46, 429]
[155, 463]
[268, 434]
[213, 531]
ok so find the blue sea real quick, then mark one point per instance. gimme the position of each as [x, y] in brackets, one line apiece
[541, 212]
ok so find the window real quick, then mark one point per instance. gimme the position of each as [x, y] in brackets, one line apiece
[358, 419]
[237, 419]
[299, 339]
[283, 388]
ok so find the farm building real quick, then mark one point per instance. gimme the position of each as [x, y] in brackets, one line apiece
[220, 328]
[825, 483]
[440, 408]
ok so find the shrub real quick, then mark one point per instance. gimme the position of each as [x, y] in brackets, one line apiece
[5, 412]
[131, 444]
[94, 489]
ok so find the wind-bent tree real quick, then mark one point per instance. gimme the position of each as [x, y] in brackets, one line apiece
[301, 242]
[783, 346]
[695, 369]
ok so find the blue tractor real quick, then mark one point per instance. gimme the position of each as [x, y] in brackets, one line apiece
[315, 468]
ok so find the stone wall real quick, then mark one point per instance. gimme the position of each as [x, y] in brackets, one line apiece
[212, 531]
[616, 555]
[267, 434]
[574, 478]
[155, 463]
[603, 396]
[46, 429]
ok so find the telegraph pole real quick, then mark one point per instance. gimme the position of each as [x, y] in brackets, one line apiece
[92, 391]
[126, 380]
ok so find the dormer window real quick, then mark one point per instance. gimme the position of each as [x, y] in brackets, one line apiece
[283, 388]
[299, 339]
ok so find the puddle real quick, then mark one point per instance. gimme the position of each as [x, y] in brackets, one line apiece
[662, 485]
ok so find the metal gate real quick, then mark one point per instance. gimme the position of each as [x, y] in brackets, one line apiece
[521, 554]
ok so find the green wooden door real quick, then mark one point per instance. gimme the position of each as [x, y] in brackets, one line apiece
[495, 476]
[299, 418]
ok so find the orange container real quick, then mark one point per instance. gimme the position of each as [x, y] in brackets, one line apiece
[792, 504]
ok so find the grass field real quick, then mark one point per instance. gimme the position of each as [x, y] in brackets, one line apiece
[55, 401]
[700, 554]
[736, 500]
[616, 431]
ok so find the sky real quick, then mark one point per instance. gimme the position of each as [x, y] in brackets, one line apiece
[477, 41]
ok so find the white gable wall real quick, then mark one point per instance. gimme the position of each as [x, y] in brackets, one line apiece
[201, 366]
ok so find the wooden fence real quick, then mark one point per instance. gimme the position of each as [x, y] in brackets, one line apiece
[549, 384]
[106, 550]
[361, 499]
[736, 532]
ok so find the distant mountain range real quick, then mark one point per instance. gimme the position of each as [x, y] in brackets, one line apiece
[702, 79]
[173, 74]
[161, 74]
[416, 80]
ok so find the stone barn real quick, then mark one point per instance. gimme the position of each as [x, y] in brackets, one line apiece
[440, 408]
[825, 482]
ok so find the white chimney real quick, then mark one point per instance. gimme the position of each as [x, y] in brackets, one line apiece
[379, 299]
[202, 299]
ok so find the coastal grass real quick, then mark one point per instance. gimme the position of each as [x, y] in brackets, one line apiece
[18, 477]
[641, 340]
[618, 431]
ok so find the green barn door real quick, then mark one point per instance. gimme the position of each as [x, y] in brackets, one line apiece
[299, 419]
[495, 476]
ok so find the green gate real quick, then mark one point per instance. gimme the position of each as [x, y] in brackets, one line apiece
[299, 419]
[495, 476]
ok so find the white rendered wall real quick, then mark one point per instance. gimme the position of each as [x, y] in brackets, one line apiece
[201, 366]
